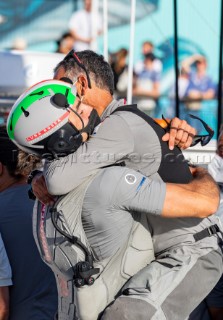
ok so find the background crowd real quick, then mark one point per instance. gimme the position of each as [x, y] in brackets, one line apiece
[196, 85]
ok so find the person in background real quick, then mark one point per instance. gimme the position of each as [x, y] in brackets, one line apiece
[212, 306]
[146, 88]
[120, 71]
[183, 82]
[5, 282]
[33, 294]
[85, 26]
[148, 47]
[201, 86]
[128, 188]
[65, 43]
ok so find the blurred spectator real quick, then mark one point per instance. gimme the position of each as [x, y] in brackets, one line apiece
[5, 282]
[146, 88]
[200, 87]
[212, 306]
[120, 71]
[65, 43]
[33, 294]
[82, 25]
[19, 44]
[148, 47]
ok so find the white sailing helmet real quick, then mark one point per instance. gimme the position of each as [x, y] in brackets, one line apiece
[38, 121]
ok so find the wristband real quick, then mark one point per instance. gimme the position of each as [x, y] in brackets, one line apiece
[32, 175]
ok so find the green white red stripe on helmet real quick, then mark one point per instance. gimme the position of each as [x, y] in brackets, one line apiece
[37, 92]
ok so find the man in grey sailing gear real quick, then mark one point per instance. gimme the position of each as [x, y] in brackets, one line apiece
[128, 191]
[109, 216]
[118, 133]
[121, 136]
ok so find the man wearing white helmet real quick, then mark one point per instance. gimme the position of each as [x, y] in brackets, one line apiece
[33, 294]
[128, 192]
[46, 135]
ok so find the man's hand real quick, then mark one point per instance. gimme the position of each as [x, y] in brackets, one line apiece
[40, 190]
[4, 303]
[180, 134]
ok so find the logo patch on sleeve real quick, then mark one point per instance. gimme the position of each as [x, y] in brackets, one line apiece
[130, 178]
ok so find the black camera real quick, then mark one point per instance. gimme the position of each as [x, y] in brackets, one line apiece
[82, 275]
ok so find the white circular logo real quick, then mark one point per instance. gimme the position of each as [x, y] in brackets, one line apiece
[96, 128]
[130, 178]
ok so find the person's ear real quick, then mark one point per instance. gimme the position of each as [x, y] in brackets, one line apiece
[82, 84]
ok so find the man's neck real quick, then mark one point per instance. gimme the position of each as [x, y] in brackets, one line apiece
[201, 73]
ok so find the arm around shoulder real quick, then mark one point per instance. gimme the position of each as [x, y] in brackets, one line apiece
[112, 142]
[135, 192]
[199, 198]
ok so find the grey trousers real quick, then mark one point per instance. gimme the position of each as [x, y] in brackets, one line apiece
[200, 313]
[213, 300]
[170, 287]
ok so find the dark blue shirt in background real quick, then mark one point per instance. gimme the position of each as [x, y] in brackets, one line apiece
[33, 295]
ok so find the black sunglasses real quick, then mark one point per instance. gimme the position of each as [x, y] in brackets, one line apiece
[73, 55]
[203, 139]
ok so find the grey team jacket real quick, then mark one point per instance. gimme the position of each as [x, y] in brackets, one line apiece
[120, 136]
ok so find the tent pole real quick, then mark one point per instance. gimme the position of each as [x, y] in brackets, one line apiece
[94, 31]
[131, 51]
[176, 62]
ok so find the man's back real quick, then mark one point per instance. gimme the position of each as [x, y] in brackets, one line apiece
[33, 294]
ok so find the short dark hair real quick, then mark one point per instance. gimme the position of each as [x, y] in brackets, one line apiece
[17, 162]
[99, 70]
[64, 36]
[8, 152]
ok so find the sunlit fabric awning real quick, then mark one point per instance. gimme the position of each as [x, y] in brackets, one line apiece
[36, 21]
[119, 11]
